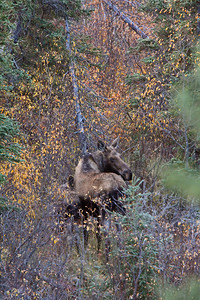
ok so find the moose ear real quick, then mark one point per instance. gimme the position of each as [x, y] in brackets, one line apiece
[101, 146]
[71, 181]
[115, 143]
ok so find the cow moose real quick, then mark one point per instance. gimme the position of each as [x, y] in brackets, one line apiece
[102, 171]
[100, 178]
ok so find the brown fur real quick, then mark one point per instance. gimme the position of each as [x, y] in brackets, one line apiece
[69, 204]
[73, 210]
[101, 172]
[99, 179]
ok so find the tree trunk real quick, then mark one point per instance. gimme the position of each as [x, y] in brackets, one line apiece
[79, 117]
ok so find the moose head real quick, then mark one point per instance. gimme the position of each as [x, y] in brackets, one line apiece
[111, 160]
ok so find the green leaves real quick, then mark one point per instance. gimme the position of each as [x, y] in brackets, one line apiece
[189, 291]
[186, 180]
[189, 100]
[10, 150]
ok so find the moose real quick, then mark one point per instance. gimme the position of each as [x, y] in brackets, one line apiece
[100, 178]
[99, 181]
[102, 174]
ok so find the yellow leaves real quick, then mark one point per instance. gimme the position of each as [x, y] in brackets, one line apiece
[54, 239]
[25, 180]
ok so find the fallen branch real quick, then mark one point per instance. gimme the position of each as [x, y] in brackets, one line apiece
[126, 20]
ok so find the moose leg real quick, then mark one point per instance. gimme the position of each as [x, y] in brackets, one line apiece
[100, 223]
[106, 203]
[107, 226]
[74, 215]
[85, 234]
[118, 207]
[98, 233]
[80, 242]
[92, 208]
[116, 204]
[77, 239]
[100, 216]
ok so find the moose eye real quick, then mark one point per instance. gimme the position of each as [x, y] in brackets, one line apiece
[112, 160]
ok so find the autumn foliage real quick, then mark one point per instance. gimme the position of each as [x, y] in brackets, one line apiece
[73, 73]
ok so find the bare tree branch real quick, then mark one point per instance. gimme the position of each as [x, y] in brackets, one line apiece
[126, 19]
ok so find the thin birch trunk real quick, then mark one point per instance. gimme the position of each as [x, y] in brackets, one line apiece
[79, 117]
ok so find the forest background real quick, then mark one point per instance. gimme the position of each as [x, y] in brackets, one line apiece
[74, 72]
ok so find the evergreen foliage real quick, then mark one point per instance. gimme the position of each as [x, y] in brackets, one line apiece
[10, 150]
